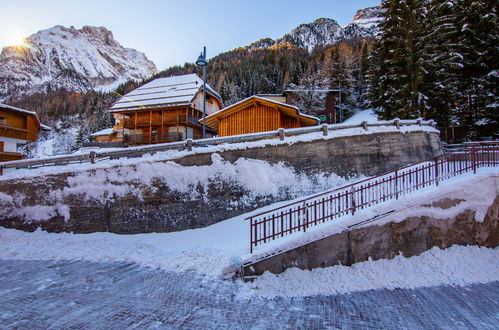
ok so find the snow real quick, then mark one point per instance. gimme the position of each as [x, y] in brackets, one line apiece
[105, 131]
[360, 116]
[55, 143]
[456, 266]
[256, 178]
[91, 54]
[220, 249]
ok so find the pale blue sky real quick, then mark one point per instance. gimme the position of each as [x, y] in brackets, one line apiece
[173, 32]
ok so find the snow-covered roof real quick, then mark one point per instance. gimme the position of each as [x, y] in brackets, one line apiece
[295, 112]
[5, 106]
[105, 131]
[177, 90]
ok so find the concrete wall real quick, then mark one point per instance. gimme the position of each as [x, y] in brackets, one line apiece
[163, 210]
[410, 237]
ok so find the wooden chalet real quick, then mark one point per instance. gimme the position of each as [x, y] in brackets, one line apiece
[327, 111]
[17, 126]
[258, 114]
[163, 110]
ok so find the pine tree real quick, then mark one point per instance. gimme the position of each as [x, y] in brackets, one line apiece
[478, 78]
[362, 86]
[78, 141]
[397, 78]
[442, 60]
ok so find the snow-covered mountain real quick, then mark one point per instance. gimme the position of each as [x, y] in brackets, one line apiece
[77, 60]
[326, 31]
[365, 23]
[323, 31]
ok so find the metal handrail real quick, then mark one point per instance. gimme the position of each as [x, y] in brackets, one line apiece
[270, 224]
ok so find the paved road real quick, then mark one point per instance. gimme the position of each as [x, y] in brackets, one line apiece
[77, 294]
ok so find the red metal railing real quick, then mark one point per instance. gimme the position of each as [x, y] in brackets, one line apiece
[300, 215]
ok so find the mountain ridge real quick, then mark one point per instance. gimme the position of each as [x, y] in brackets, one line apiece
[74, 59]
[326, 31]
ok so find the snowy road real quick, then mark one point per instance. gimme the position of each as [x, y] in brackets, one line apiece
[79, 294]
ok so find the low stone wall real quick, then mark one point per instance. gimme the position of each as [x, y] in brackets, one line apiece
[369, 154]
[410, 237]
[61, 202]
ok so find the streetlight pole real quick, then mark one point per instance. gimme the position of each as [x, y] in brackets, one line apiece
[202, 62]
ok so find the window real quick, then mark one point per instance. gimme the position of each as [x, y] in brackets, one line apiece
[2, 121]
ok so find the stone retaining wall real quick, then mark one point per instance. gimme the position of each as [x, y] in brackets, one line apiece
[160, 209]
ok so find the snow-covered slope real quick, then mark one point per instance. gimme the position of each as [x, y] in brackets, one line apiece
[77, 60]
[326, 31]
[323, 31]
[365, 23]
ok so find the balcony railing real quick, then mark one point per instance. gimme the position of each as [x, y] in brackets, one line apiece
[152, 138]
[8, 156]
[13, 132]
[156, 121]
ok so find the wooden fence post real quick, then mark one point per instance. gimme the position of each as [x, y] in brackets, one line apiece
[188, 144]
[324, 129]
[281, 134]
[397, 123]
[364, 125]
[92, 157]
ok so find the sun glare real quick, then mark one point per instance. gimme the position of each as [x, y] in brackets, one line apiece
[15, 40]
[12, 40]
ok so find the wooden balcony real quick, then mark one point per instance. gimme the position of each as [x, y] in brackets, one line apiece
[156, 121]
[8, 156]
[152, 138]
[14, 132]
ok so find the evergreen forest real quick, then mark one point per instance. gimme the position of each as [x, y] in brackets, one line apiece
[435, 59]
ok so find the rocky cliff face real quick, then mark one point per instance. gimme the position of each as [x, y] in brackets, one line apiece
[326, 31]
[76, 60]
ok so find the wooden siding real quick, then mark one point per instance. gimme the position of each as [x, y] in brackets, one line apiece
[290, 122]
[18, 125]
[103, 138]
[32, 128]
[14, 119]
[255, 118]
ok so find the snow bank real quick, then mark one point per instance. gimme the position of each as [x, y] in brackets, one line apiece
[256, 178]
[213, 250]
[219, 249]
[360, 116]
[456, 266]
